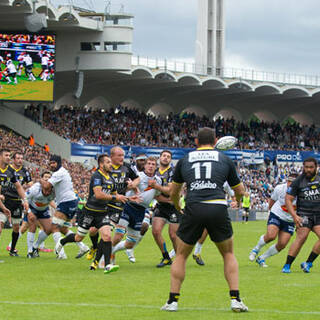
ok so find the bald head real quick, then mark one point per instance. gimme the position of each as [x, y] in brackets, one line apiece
[117, 156]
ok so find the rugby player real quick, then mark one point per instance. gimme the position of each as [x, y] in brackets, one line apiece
[133, 215]
[165, 212]
[280, 224]
[138, 167]
[28, 63]
[11, 72]
[25, 180]
[306, 190]
[14, 193]
[39, 201]
[96, 213]
[205, 171]
[66, 202]
[125, 179]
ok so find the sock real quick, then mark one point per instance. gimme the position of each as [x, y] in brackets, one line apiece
[290, 259]
[130, 252]
[270, 252]
[197, 249]
[79, 244]
[42, 245]
[165, 253]
[56, 236]
[118, 247]
[15, 237]
[106, 248]
[260, 244]
[247, 218]
[41, 237]
[69, 238]
[30, 240]
[99, 251]
[94, 240]
[313, 256]
[173, 297]
[138, 241]
[172, 254]
[235, 294]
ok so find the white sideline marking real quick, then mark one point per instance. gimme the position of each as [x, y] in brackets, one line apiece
[137, 306]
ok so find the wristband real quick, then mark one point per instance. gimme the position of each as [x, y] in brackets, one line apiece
[114, 198]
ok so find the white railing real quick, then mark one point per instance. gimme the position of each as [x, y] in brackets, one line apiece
[228, 73]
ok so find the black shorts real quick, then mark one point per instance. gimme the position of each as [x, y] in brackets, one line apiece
[310, 221]
[200, 216]
[16, 208]
[90, 219]
[245, 211]
[167, 212]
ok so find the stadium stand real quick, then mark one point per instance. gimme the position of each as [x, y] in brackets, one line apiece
[122, 126]
[36, 159]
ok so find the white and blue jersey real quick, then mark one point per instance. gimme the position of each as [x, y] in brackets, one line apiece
[134, 213]
[38, 203]
[279, 215]
[66, 199]
[147, 194]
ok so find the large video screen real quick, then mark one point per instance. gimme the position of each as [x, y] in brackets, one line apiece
[27, 66]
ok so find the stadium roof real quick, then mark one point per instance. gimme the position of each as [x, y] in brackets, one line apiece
[162, 92]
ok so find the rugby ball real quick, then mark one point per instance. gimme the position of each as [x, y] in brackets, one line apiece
[226, 143]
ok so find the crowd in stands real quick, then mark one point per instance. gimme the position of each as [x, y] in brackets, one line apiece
[37, 160]
[131, 127]
[123, 126]
[260, 182]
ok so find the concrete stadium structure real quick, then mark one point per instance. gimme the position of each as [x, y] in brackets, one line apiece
[99, 45]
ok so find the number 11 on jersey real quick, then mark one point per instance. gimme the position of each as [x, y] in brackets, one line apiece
[197, 172]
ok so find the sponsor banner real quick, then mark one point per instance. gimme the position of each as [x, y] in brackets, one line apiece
[248, 156]
[290, 156]
[26, 46]
[253, 156]
[92, 150]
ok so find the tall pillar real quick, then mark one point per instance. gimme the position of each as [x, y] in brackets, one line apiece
[210, 37]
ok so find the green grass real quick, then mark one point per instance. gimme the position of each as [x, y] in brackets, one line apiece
[45, 288]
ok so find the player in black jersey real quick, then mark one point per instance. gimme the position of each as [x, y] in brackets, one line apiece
[14, 193]
[97, 213]
[205, 171]
[124, 178]
[306, 189]
[165, 212]
[25, 180]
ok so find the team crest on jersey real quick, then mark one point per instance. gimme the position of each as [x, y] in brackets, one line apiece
[96, 182]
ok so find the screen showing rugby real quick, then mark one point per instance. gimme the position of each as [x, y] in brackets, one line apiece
[27, 66]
